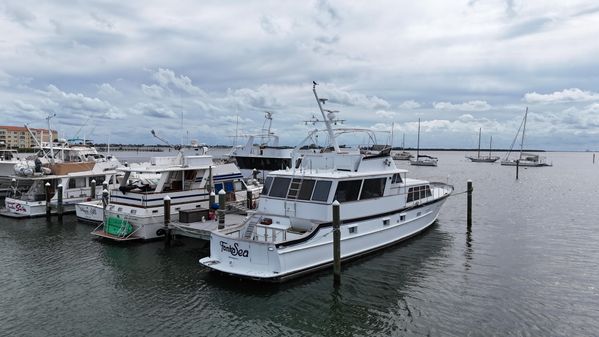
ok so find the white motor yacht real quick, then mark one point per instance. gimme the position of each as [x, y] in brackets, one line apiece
[136, 210]
[291, 232]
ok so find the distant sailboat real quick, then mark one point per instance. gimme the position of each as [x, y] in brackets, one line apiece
[483, 159]
[421, 159]
[403, 154]
[524, 159]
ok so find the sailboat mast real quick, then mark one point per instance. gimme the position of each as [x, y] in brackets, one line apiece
[403, 142]
[479, 131]
[418, 144]
[490, 145]
[523, 132]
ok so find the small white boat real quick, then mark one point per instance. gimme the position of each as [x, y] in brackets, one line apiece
[76, 188]
[524, 159]
[136, 210]
[483, 159]
[259, 159]
[290, 234]
[421, 159]
[403, 154]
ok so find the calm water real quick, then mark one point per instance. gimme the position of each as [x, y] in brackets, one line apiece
[528, 268]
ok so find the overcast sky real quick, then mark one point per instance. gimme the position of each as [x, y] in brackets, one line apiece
[120, 69]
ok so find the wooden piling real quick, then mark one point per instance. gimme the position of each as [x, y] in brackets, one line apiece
[221, 208]
[212, 199]
[517, 167]
[167, 220]
[469, 207]
[48, 197]
[59, 207]
[92, 185]
[593, 159]
[336, 244]
[104, 205]
[249, 200]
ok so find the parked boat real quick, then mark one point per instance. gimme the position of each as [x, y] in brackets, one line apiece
[256, 160]
[524, 159]
[403, 154]
[483, 159]
[135, 210]
[76, 188]
[291, 232]
[421, 159]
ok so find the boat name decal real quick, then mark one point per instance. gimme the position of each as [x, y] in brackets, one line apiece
[16, 207]
[234, 249]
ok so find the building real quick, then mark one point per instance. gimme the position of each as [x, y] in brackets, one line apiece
[19, 137]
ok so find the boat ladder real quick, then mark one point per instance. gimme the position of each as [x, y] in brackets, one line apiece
[250, 229]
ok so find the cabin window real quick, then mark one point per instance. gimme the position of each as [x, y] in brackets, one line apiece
[99, 180]
[386, 222]
[353, 230]
[396, 178]
[279, 187]
[218, 187]
[373, 188]
[419, 192]
[306, 190]
[239, 186]
[321, 190]
[266, 186]
[77, 182]
[348, 190]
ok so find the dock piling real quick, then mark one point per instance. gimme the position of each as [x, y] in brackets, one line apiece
[92, 185]
[469, 207]
[104, 204]
[517, 167]
[167, 220]
[249, 200]
[221, 209]
[59, 207]
[48, 197]
[336, 244]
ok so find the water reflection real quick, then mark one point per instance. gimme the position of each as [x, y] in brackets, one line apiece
[371, 293]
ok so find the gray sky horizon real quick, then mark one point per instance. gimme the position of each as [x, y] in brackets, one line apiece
[116, 70]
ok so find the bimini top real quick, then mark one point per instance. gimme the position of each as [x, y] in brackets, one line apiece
[169, 164]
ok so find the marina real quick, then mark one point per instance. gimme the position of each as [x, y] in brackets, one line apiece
[521, 257]
[299, 169]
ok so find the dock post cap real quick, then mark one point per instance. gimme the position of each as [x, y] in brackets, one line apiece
[222, 191]
[166, 197]
[336, 203]
[469, 180]
[59, 186]
[47, 184]
[212, 193]
[105, 191]
[93, 181]
[13, 179]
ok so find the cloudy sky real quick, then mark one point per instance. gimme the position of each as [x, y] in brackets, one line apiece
[120, 69]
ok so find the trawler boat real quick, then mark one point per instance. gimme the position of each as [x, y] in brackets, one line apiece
[76, 188]
[290, 234]
[524, 159]
[483, 159]
[255, 161]
[136, 210]
[421, 159]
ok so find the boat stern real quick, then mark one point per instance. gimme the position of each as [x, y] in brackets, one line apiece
[243, 258]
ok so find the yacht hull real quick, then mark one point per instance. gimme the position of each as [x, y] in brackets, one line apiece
[21, 208]
[267, 261]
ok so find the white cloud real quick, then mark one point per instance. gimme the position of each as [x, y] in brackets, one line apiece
[105, 89]
[566, 95]
[476, 105]
[336, 95]
[410, 104]
[385, 114]
[153, 90]
[167, 78]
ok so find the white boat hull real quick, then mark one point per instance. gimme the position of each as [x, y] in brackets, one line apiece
[90, 211]
[273, 262]
[25, 208]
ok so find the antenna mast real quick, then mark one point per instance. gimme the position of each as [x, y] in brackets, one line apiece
[327, 121]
